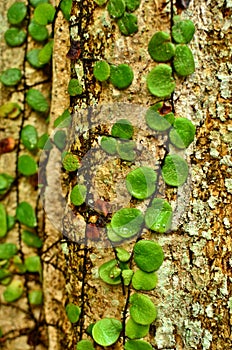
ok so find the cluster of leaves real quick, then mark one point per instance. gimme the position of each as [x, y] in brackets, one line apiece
[121, 76]
[160, 81]
[121, 12]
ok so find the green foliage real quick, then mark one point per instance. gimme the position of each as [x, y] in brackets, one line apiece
[84, 345]
[135, 330]
[141, 182]
[116, 8]
[16, 13]
[106, 331]
[7, 250]
[37, 101]
[33, 264]
[158, 122]
[109, 144]
[101, 70]
[142, 310]
[183, 132]
[159, 216]
[127, 222]
[148, 255]
[44, 13]
[35, 297]
[15, 37]
[25, 214]
[10, 222]
[160, 48]
[37, 31]
[126, 150]
[66, 6]
[142, 280]
[70, 162]
[137, 345]
[35, 3]
[122, 129]
[45, 54]
[18, 264]
[113, 237]
[27, 165]
[5, 275]
[5, 183]
[106, 272]
[11, 76]
[14, 291]
[73, 312]
[78, 194]
[128, 24]
[183, 61]
[44, 142]
[60, 139]
[174, 170]
[121, 76]
[74, 87]
[31, 239]
[64, 120]
[122, 254]
[33, 58]
[183, 31]
[10, 110]
[160, 82]
[29, 137]
[100, 2]
[127, 276]
[132, 5]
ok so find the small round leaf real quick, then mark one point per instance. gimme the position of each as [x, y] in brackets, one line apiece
[101, 70]
[174, 170]
[122, 129]
[135, 330]
[126, 150]
[183, 61]
[74, 87]
[35, 297]
[66, 6]
[15, 37]
[60, 139]
[159, 216]
[14, 291]
[160, 82]
[182, 133]
[160, 48]
[33, 264]
[127, 222]
[137, 345]
[132, 5]
[142, 280]
[183, 31]
[29, 137]
[78, 194]
[31, 239]
[36, 100]
[27, 165]
[142, 309]
[84, 344]
[3, 221]
[105, 272]
[11, 76]
[37, 31]
[25, 214]
[158, 122]
[128, 24]
[33, 58]
[7, 250]
[141, 182]
[73, 312]
[148, 255]
[106, 331]
[116, 8]
[35, 3]
[16, 13]
[121, 76]
[44, 13]
[122, 254]
[109, 144]
[45, 54]
[70, 162]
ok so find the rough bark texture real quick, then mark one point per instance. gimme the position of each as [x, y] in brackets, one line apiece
[193, 295]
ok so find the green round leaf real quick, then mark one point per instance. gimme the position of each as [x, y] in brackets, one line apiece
[66, 6]
[127, 222]
[122, 129]
[31, 239]
[137, 345]
[101, 70]
[128, 24]
[174, 170]
[160, 82]
[44, 13]
[29, 137]
[33, 263]
[5, 182]
[113, 237]
[16, 13]
[45, 54]
[37, 31]
[14, 291]
[135, 330]
[121, 76]
[84, 345]
[183, 61]
[35, 3]
[106, 272]
[160, 48]
[60, 139]
[11, 76]
[148, 255]
[27, 165]
[141, 182]
[100, 2]
[122, 254]
[36, 100]
[64, 120]
[10, 222]
[33, 58]
[106, 331]
[7, 250]
[74, 87]
[10, 110]
[73, 312]
[182, 133]
[3, 221]
[44, 142]
[132, 5]
[116, 8]
[142, 280]
[15, 37]
[158, 122]
[25, 214]
[109, 144]
[78, 194]
[142, 309]
[127, 276]
[4, 274]
[35, 297]
[126, 150]
[159, 216]
[183, 31]
[70, 162]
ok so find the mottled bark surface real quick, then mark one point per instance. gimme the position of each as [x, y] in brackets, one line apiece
[193, 295]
